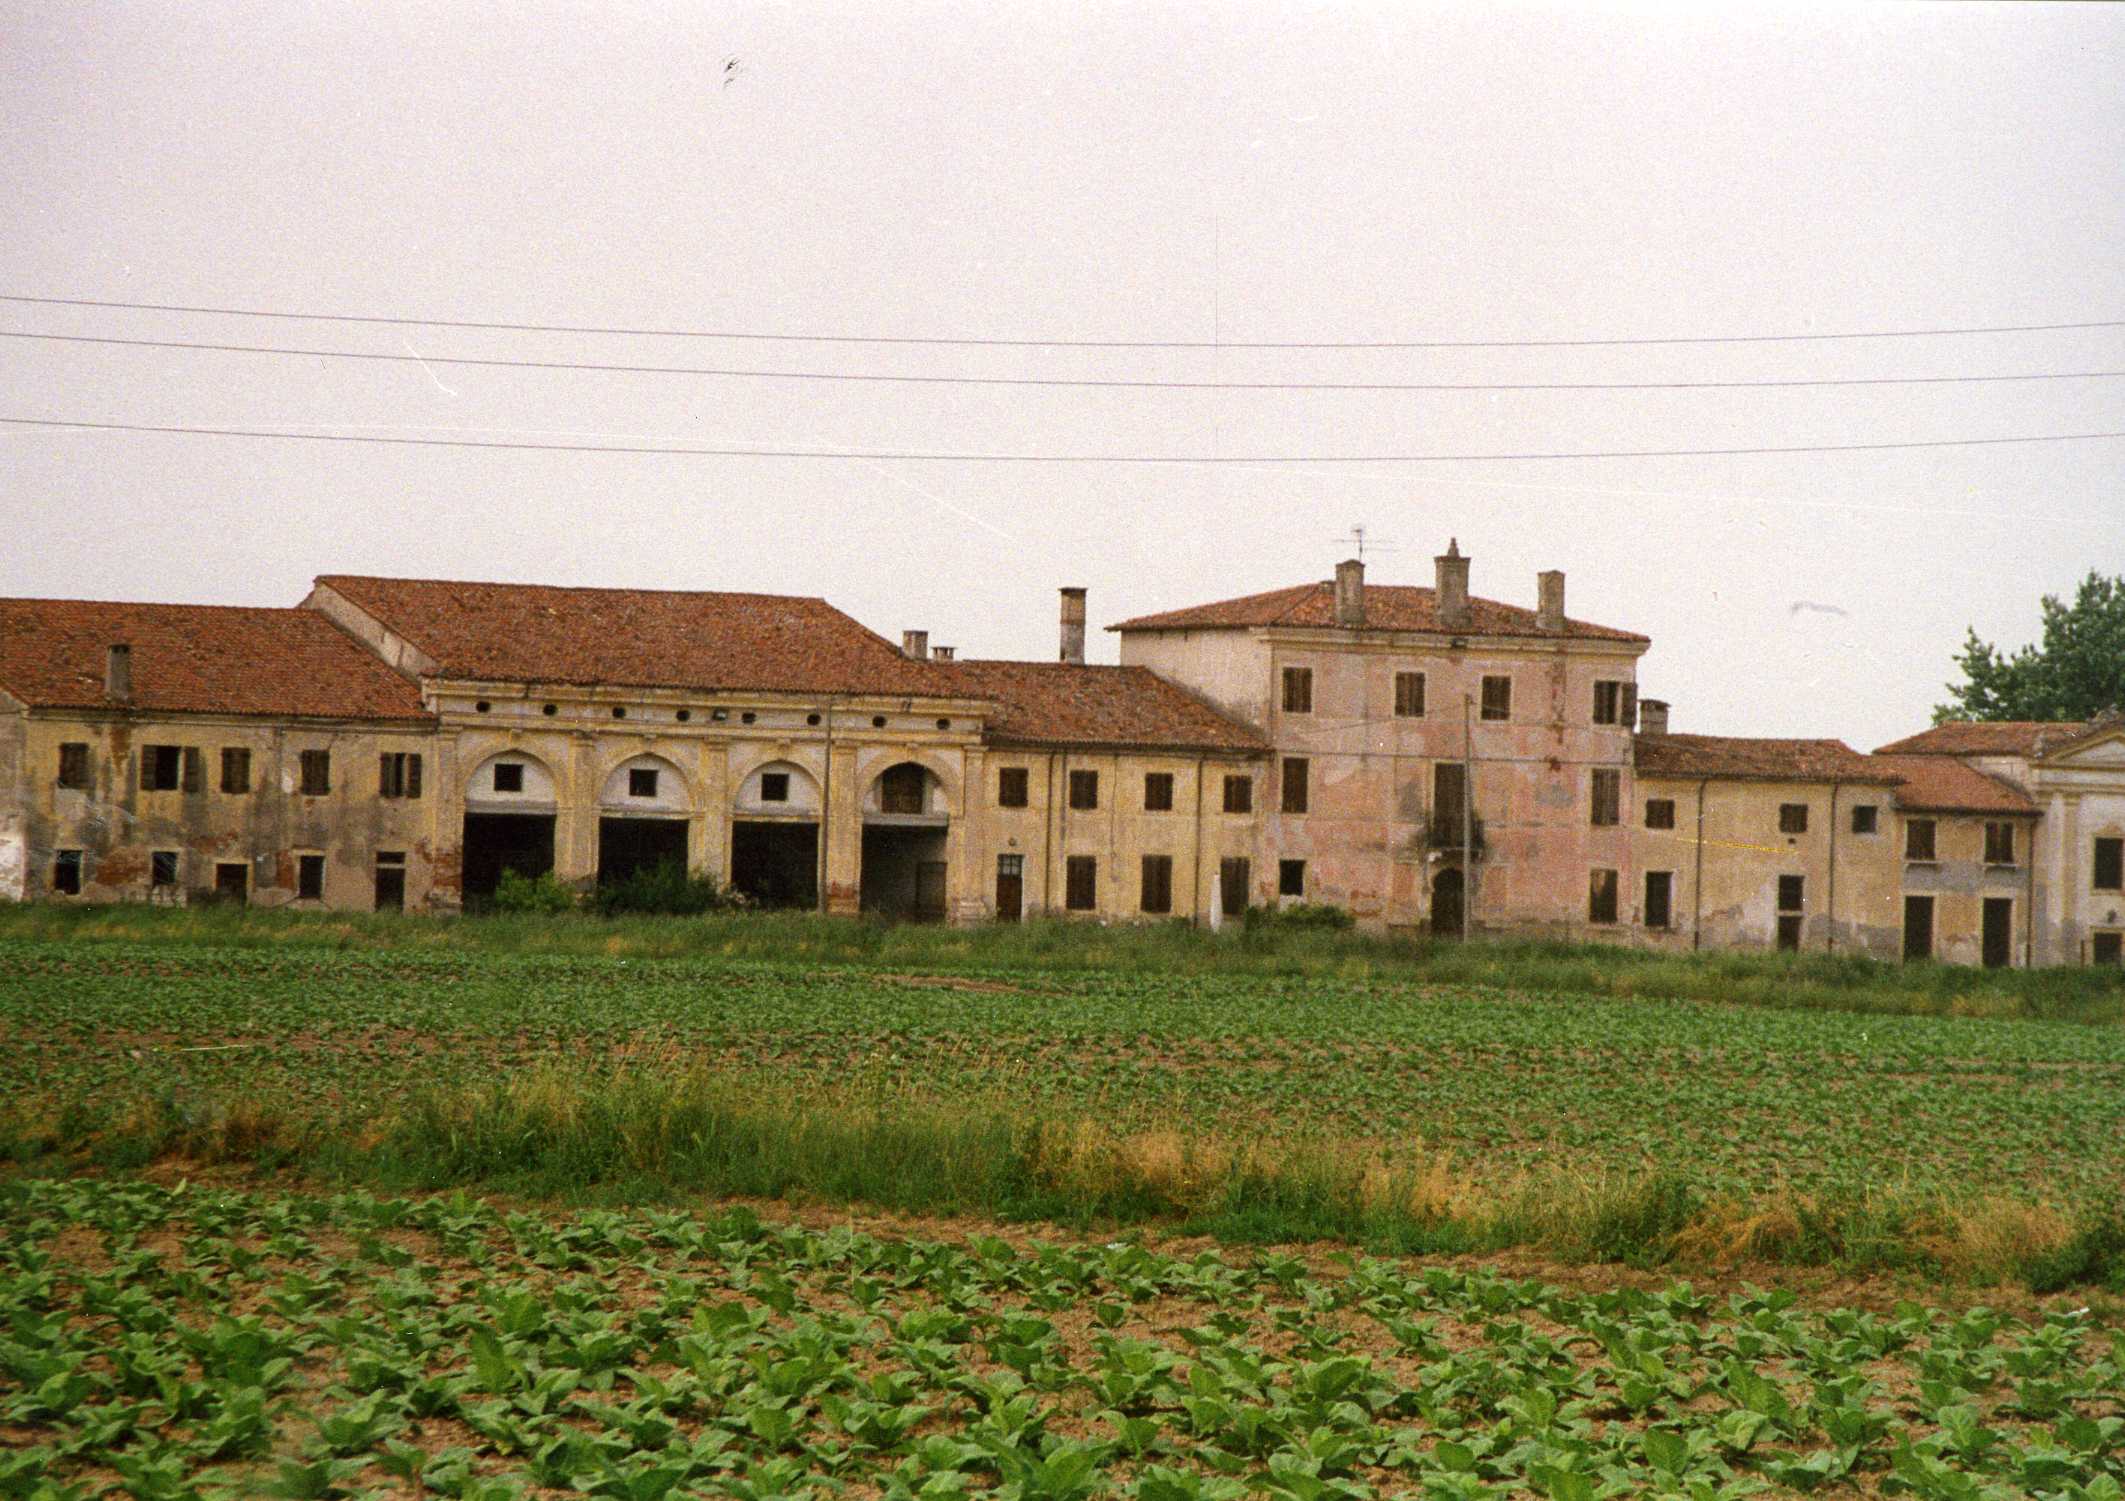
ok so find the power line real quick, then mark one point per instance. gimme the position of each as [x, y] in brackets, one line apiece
[998, 380]
[1038, 458]
[685, 333]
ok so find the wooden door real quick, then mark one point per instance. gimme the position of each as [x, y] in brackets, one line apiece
[1010, 887]
[1918, 927]
[1999, 932]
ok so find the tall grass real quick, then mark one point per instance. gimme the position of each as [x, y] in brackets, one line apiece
[672, 1132]
[1807, 981]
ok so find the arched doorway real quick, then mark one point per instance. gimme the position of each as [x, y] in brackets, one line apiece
[1446, 903]
[905, 820]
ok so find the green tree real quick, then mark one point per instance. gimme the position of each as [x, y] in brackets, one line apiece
[2077, 673]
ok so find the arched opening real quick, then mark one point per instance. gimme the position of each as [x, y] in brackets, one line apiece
[774, 843]
[509, 819]
[905, 824]
[1446, 903]
[642, 819]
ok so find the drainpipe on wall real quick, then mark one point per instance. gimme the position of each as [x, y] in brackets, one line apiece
[2029, 900]
[1195, 884]
[826, 803]
[1830, 940]
[1697, 878]
[1468, 814]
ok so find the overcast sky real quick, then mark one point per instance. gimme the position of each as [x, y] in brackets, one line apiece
[1202, 175]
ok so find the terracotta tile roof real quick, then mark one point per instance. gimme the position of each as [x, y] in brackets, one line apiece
[1942, 784]
[197, 659]
[1388, 607]
[640, 638]
[1053, 703]
[1732, 758]
[1970, 737]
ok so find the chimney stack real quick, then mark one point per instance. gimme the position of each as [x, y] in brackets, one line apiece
[1350, 594]
[118, 674]
[943, 653]
[915, 644]
[1452, 599]
[1652, 716]
[1073, 627]
[1549, 594]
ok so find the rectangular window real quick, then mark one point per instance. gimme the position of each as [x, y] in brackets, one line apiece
[1601, 896]
[1865, 818]
[316, 773]
[2110, 864]
[235, 769]
[162, 870]
[399, 774]
[1449, 795]
[310, 878]
[1295, 768]
[1608, 701]
[1011, 787]
[1660, 813]
[904, 789]
[1497, 698]
[1298, 690]
[641, 781]
[1659, 898]
[1409, 695]
[1792, 818]
[2107, 948]
[66, 872]
[774, 786]
[1158, 792]
[1999, 843]
[1234, 876]
[1081, 883]
[1239, 794]
[1608, 797]
[1791, 893]
[509, 776]
[1158, 883]
[1918, 839]
[74, 764]
[1291, 878]
[390, 881]
[161, 768]
[1084, 790]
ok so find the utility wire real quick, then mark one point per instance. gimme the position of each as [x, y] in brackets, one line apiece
[997, 380]
[1037, 458]
[685, 333]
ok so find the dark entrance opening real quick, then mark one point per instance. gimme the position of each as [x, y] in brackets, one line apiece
[1446, 904]
[391, 888]
[904, 872]
[495, 842]
[776, 864]
[1918, 927]
[629, 845]
[232, 882]
[1999, 932]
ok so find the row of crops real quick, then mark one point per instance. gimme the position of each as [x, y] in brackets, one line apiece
[1743, 1101]
[170, 1343]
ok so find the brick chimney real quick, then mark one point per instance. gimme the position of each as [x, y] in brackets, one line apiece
[118, 673]
[1452, 601]
[1073, 627]
[943, 653]
[1652, 716]
[1350, 594]
[915, 644]
[1549, 600]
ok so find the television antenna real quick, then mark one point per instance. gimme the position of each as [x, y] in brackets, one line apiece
[1361, 541]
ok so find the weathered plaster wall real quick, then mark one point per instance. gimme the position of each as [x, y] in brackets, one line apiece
[14, 802]
[1227, 667]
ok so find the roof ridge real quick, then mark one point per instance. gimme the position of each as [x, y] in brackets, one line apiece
[393, 578]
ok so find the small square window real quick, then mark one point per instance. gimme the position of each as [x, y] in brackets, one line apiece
[1081, 883]
[1918, 839]
[310, 878]
[1011, 787]
[1239, 794]
[1084, 790]
[1158, 792]
[1298, 690]
[1497, 698]
[1865, 819]
[1999, 843]
[161, 768]
[774, 786]
[1660, 813]
[162, 869]
[66, 872]
[1291, 878]
[1409, 695]
[641, 781]
[2106, 948]
[316, 773]
[1792, 818]
[235, 769]
[399, 774]
[74, 764]
[509, 776]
